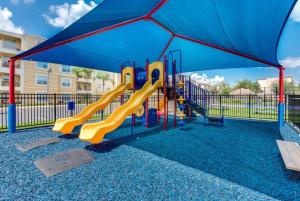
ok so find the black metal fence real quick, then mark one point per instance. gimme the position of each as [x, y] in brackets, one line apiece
[35, 110]
[293, 109]
[244, 106]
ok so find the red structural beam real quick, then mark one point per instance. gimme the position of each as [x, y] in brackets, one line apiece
[161, 25]
[165, 93]
[281, 85]
[147, 100]
[11, 81]
[78, 37]
[210, 45]
[165, 48]
[158, 6]
[227, 50]
[145, 17]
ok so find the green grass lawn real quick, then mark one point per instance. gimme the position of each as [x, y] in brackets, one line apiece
[245, 113]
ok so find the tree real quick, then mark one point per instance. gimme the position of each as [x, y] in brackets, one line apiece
[221, 88]
[248, 84]
[256, 87]
[86, 73]
[224, 88]
[77, 72]
[104, 77]
[289, 87]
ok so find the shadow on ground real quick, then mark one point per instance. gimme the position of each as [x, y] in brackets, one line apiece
[243, 152]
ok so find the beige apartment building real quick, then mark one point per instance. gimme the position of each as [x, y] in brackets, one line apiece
[40, 77]
[267, 83]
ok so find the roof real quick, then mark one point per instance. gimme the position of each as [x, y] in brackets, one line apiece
[209, 34]
[18, 35]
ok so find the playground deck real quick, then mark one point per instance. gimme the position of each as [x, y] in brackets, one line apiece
[239, 161]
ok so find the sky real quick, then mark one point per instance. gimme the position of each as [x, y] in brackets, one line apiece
[47, 17]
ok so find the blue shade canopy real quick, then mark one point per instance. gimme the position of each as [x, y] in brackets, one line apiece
[210, 34]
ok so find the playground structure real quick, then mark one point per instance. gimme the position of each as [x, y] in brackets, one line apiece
[143, 83]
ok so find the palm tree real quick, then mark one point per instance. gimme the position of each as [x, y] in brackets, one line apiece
[86, 73]
[104, 77]
[77, 72]
[112, 82]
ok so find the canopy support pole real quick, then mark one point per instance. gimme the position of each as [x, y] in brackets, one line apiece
[281, 103]
[12, 125]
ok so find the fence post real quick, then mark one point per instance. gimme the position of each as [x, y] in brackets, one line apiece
[54, 97]
[190, 90]
[249, 105]
[87, 99]
[286, 105]
[220, 110]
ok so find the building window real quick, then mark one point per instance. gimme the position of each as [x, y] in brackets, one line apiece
[42, 65]
[5, 62]
[65, 69]
[41, 79]
[10, 44]
[66, 82]
[5, 81]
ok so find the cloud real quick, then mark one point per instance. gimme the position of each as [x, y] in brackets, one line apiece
[65, 14]
[6, 23]
[25, 1]
[290, 62]
[204, 79]
[295, 15]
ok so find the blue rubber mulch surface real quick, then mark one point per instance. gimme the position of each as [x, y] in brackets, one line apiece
[197, 162]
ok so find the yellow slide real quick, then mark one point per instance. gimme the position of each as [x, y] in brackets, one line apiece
[95, 132]
[66, 125]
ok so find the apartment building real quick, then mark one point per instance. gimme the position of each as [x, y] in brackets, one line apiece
[267, 83]
[40, 77]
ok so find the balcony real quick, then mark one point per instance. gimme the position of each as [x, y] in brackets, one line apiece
[82, 88]
[9, 50]
[5, 83]
[84, 80]
[5, 69]
[6, 64]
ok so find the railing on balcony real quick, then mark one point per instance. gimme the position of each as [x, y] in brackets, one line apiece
[5, 83]
[80, 89]
[6, 64]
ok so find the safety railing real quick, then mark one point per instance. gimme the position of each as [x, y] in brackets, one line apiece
[244, 106]
[34, 110]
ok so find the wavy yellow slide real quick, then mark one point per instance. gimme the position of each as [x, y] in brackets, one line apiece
[95, 132]
[66, 125]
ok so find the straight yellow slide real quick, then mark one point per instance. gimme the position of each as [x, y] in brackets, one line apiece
[95, 132]
[66, 125]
